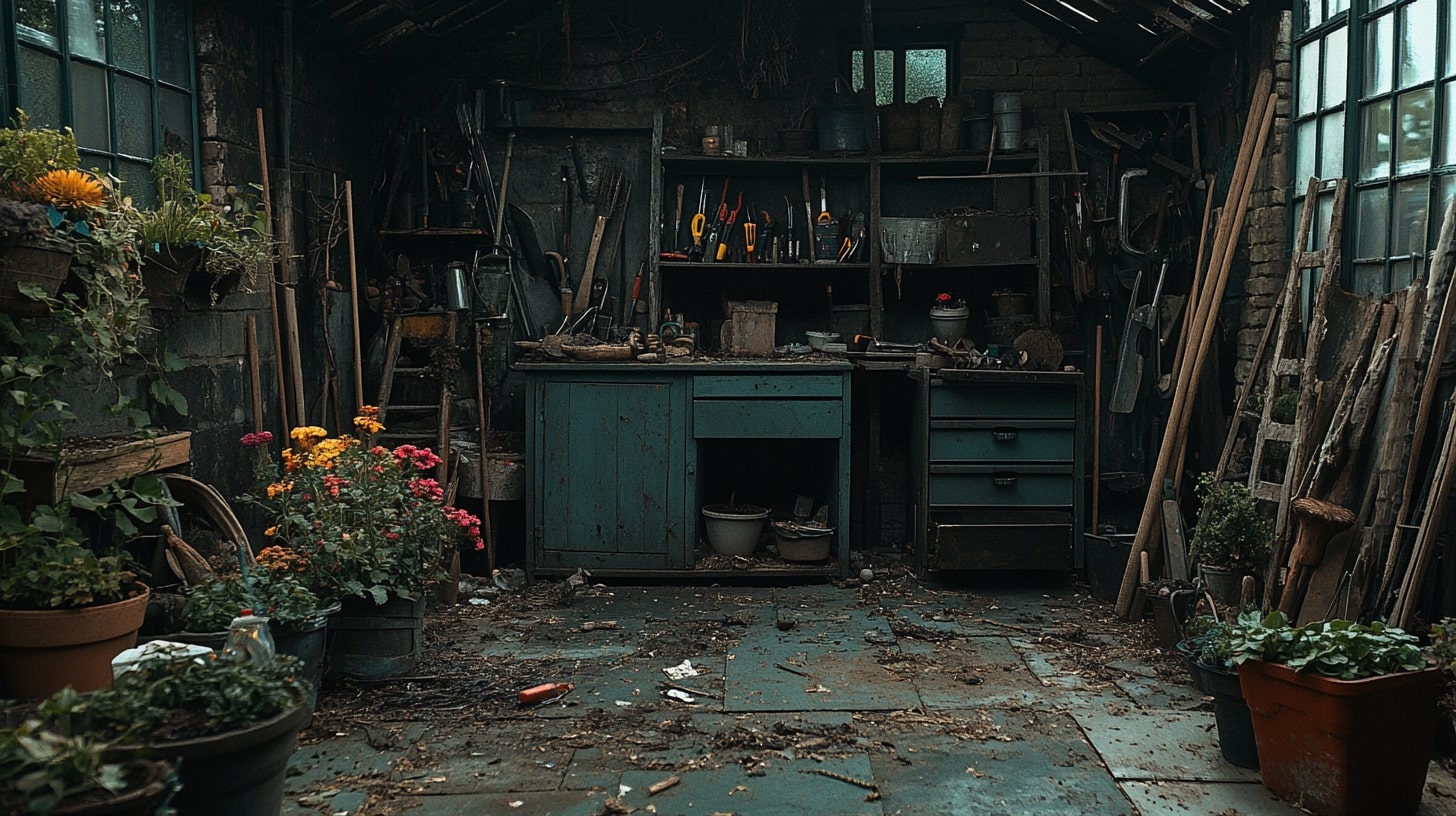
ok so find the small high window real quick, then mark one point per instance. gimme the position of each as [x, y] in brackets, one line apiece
[907, 73]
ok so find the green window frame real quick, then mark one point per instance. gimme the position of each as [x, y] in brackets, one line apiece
[1374, 101]
[915, 69]
[119, 73]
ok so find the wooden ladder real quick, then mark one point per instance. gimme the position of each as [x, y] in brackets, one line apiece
[426, 329]
[1296, 348]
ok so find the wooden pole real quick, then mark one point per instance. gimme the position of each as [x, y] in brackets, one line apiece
[255, 374]
[278, 365]
[483, 408]
[1150, 525]
[354, 295]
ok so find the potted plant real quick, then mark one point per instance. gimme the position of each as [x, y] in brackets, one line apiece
[372, 528]
[42, 771]
[1207, 650]
[65, 612]
[1344, 713]
[948, 316]
[1232, 538]
[229, 726]
[188, 232]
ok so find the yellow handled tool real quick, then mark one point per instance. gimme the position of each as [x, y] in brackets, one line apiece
[824, 216]
[750, 238]
[700, 223]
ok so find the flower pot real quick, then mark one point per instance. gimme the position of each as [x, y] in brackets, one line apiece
[369, 642]
[307, 641]
[43, 651]
[1225, 584]
[236, 773]
[30, 264]
[1230, 715]
[1170, 612]
[734, 529]
[1343, 747]
[803, 549]
[166, 269]
[948, 324]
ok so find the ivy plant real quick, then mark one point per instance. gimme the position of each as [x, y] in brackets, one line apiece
[1338, 648]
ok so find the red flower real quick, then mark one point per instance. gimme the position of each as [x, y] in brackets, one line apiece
[257, 440]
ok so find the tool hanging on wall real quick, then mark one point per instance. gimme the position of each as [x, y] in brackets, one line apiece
[611, 188]
[728, 229]
[674, 252]
[699, 223]
[716, 230]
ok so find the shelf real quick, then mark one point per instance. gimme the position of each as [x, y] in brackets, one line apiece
[766, 267]
[966, 264]
[719, 165]
[434, 232]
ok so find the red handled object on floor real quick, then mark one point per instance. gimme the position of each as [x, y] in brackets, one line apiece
[544, 692]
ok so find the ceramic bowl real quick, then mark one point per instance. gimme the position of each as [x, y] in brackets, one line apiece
[817, 340]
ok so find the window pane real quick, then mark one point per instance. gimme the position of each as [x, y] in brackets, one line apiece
[924, 74]
[134, 115]
[40, 87]
[1448, 126]
[1308, 99]
[1369, 279]
[37, 19]
[1414, 118]
[1375, 141]
[172, 48]
[1445, 189]
[89, 107]
[1314, 13]
[1377, 55]
[1337, 7]
[1335, 77]
[1376, 4]
[1408, 236]
[1297, 212]
[130, 48]
[1306, 153]
[1450, 43]
[176, 123]
[87, 27]
[136, 181]
[1332, 145]
[1318, 233]
[1418, 43]
[1371, 223]
[1401, 275]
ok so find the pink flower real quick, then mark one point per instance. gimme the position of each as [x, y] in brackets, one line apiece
[426, 489]
[257, 440]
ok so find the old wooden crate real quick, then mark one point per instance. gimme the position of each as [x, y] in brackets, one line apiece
[989, 237]
[92, 464]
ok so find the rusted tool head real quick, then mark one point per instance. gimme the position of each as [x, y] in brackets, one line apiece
[1323, 513]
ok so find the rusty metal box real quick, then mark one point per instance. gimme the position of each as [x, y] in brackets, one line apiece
[989, 238]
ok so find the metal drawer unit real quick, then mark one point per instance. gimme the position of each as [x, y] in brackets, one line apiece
[996, 479]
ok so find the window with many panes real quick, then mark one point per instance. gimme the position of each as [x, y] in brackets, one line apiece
[118, 72]
[1375, 92]
[906, 72]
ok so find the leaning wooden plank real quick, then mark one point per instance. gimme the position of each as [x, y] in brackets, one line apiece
[1174, 541]
[1405, 610]
[1149, 530]
[92, 464]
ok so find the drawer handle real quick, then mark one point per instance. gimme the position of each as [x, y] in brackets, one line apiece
[1004, 434]
[1003, 479]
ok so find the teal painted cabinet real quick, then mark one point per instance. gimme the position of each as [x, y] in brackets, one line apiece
[614, 451]
[611, 489]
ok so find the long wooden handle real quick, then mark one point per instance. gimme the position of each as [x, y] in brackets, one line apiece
[583, 289]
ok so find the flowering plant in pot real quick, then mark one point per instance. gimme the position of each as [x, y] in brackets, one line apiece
[1232, 538]
[1351, 705]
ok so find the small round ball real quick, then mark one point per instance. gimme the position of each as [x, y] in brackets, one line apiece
[867, 574]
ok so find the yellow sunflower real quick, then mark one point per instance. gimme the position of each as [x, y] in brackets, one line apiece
[68, 189]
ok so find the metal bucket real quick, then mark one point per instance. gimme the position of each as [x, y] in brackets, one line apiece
[841, 125]
[371, 642]
[491, 286]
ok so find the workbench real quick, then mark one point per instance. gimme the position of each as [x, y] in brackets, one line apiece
[622, 456]
[996, 470]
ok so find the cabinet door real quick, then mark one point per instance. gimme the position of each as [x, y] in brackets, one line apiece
[611, 476]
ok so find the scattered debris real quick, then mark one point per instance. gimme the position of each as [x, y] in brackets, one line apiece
[789, 670]
[681, 670]
[658, 787]
[842, 778]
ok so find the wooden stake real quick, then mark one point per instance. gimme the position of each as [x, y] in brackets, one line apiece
[279, 367]
[255, 374]
[354, 292]
[1150, 526]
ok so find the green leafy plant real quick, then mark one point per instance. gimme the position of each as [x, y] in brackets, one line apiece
[41, 770]
[1336, 648]
[171, 698]
[1231, 532]
[27, 153]
[51, 572]
[367, 521]
[278, 593]
[233, 234]
[1285, 407]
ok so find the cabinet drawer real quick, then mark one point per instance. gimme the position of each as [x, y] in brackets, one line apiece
[972, 546]
[769, 385]
[768, 419]
[980, 440]
[1004, 400]
[990, 487]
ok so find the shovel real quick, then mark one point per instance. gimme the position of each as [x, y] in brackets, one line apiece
[1130, 358]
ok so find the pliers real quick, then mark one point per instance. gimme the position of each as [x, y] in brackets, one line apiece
[850, 246]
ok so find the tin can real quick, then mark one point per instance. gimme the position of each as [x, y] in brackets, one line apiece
[712, 145]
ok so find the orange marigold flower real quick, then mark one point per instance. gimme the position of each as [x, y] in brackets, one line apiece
[369, 411]
[368, 425]
[279, 487]
[308, 435]
[270, 532]
[68, 189]
[289, 462]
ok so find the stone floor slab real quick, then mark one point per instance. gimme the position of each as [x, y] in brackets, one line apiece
[788, 788]
[1190, 799]
[1160, 745]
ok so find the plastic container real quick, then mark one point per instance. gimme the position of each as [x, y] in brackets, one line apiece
[734, 529]
[249, 640]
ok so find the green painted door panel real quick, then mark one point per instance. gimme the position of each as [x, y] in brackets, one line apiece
[610, 475]
[1009, 441]
[768, 418]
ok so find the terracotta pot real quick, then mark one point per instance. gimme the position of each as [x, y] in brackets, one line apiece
[149, 787]
[42, 652]
[1343, 747]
